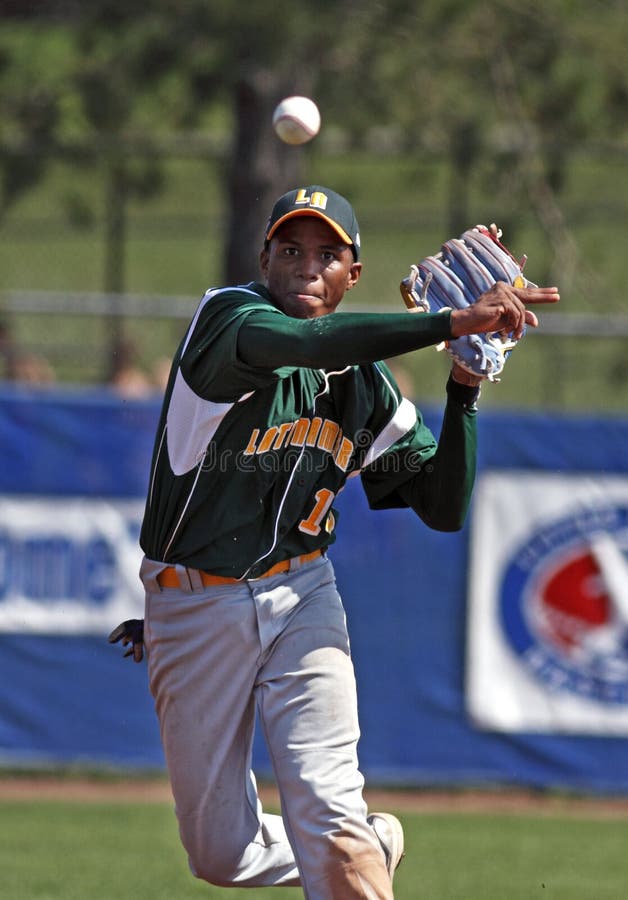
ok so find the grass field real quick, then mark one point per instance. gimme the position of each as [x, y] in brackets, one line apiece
[86, 849]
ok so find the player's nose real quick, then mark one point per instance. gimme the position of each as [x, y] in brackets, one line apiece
[309, 265]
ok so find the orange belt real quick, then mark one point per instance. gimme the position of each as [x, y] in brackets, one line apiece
[169, 578]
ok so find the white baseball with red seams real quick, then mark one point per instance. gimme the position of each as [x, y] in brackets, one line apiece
[296, 120]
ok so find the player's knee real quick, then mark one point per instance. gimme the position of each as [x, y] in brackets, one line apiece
[214, 869]
[213, 855]
[216, 845]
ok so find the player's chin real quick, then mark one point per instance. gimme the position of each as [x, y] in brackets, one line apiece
[305, 306]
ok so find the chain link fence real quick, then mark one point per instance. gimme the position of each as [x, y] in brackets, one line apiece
[59, 325]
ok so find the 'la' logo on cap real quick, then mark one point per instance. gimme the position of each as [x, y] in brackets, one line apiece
[318, 199]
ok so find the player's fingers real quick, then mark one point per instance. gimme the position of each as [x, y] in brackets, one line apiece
[517, 331]
[538, 295]
[118, 632]
[136, 651]
[525, 296]
[531, 319]
[513, 313]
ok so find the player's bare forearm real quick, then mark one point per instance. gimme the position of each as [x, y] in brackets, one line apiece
[462, 376]
[503, 309]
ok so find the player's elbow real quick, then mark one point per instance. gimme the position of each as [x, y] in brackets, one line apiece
[446, 523]
[449, 515]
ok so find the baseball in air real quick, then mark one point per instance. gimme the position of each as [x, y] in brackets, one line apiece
[296, 120]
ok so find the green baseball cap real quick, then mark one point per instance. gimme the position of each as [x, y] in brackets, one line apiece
[322, 202]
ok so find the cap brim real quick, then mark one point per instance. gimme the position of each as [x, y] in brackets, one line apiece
[310, 212]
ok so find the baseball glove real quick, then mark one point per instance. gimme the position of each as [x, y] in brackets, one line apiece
[454, 278]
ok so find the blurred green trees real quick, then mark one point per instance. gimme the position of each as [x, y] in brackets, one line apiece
[505, 90]
[436, 114]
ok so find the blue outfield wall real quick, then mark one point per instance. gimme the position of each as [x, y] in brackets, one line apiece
[71, 699]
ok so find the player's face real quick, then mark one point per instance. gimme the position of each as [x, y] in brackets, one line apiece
[307, 268]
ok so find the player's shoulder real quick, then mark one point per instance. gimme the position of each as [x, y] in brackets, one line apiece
[220, 306]
[253, 294]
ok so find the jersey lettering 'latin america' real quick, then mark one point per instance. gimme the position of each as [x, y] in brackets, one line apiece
[324, 434]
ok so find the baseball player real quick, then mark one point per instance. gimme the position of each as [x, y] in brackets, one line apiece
[272, 403]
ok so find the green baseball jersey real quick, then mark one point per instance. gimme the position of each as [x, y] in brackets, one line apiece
[249, 460]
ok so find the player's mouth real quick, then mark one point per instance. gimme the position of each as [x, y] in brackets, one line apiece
[305, 306]
[305, 299]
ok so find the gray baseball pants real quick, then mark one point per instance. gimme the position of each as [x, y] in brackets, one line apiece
[279, 644]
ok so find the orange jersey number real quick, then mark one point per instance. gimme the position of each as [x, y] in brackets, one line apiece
[312, 525]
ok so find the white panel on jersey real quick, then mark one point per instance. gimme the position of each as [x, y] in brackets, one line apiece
[402, 421]
[191, 424]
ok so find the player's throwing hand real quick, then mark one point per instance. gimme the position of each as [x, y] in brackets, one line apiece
[502, 309]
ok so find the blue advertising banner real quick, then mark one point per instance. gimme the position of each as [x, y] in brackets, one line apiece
[73, 474]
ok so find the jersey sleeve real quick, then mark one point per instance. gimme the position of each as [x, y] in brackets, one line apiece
[209, 358]
[338, 340]
[239, 341]
[438, 480]
[402, 443]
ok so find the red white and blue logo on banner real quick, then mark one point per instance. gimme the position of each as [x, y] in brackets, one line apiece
[548, 613]
[564, 604]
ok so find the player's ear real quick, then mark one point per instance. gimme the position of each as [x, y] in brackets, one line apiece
[353, 275]
[263, 261]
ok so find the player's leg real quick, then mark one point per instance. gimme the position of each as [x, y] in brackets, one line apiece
[308, 706]
[203, 650]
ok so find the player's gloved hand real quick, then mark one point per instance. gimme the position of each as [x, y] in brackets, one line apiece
[482, 283]
[130, 632]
